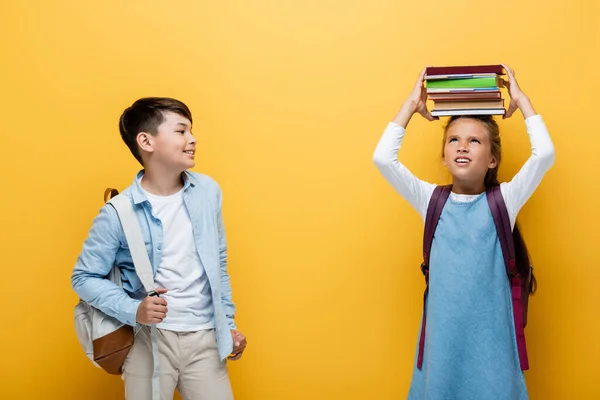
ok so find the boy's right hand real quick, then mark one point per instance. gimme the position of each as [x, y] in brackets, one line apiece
[153, 309]
[415, 103]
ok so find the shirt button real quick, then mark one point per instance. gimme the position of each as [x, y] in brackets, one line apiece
[159, 247]
[158, 222]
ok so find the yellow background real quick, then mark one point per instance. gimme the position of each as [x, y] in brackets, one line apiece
[289, 100]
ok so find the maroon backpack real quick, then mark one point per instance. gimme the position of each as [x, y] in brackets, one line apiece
[514, 251]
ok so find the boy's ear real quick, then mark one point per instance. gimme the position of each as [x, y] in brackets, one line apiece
[145, 142]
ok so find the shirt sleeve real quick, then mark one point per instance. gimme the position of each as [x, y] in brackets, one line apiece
[416, 191]
[525, 182]
[89, 277]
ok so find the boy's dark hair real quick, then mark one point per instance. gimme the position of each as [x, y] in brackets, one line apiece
[145, 115]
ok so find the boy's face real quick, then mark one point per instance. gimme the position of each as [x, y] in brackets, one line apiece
[174, 147]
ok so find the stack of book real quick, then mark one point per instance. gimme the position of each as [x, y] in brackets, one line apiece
[465, 90]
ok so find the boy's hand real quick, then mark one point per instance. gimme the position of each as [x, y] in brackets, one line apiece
[415, 103]
[518, 99]
[239, 345]
[153, 309]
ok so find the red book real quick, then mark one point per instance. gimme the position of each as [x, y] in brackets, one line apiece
[468, 69]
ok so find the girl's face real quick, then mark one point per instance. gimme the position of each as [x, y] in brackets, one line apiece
[468, 154]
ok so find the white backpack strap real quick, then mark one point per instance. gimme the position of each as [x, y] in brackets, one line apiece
[143, 268]
[135, 240]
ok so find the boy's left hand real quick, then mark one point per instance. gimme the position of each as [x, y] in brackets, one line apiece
[239, 345]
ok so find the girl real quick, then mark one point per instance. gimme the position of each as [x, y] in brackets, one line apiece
[470, 347]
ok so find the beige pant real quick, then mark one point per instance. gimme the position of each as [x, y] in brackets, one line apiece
[188, 361]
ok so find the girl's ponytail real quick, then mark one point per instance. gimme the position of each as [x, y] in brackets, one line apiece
[491, 178]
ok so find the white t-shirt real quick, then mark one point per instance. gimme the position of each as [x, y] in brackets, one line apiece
[189, 300]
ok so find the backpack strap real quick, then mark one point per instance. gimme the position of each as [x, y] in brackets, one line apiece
[504, 231]
[434, 211]
[135, 240]
[143, 268]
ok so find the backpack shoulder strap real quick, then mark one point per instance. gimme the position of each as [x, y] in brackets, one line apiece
[135, 240]
[503, 228]
[504, 231]
[434, 211]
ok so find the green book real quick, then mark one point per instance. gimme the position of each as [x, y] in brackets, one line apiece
[465, 83]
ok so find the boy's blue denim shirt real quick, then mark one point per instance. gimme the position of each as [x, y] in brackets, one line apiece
[106, 246]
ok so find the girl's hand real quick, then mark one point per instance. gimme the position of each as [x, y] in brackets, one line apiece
[415, 103]
[518, 99]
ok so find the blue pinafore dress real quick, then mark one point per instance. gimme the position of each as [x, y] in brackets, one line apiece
[470, 347]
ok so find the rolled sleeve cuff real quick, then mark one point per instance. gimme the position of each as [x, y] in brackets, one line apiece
[128, 313]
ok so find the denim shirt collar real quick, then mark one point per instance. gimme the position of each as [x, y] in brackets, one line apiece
[137, 193]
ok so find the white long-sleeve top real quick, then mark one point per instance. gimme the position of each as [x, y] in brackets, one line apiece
[418, 192]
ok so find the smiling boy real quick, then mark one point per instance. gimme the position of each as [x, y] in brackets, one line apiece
[180, 216]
